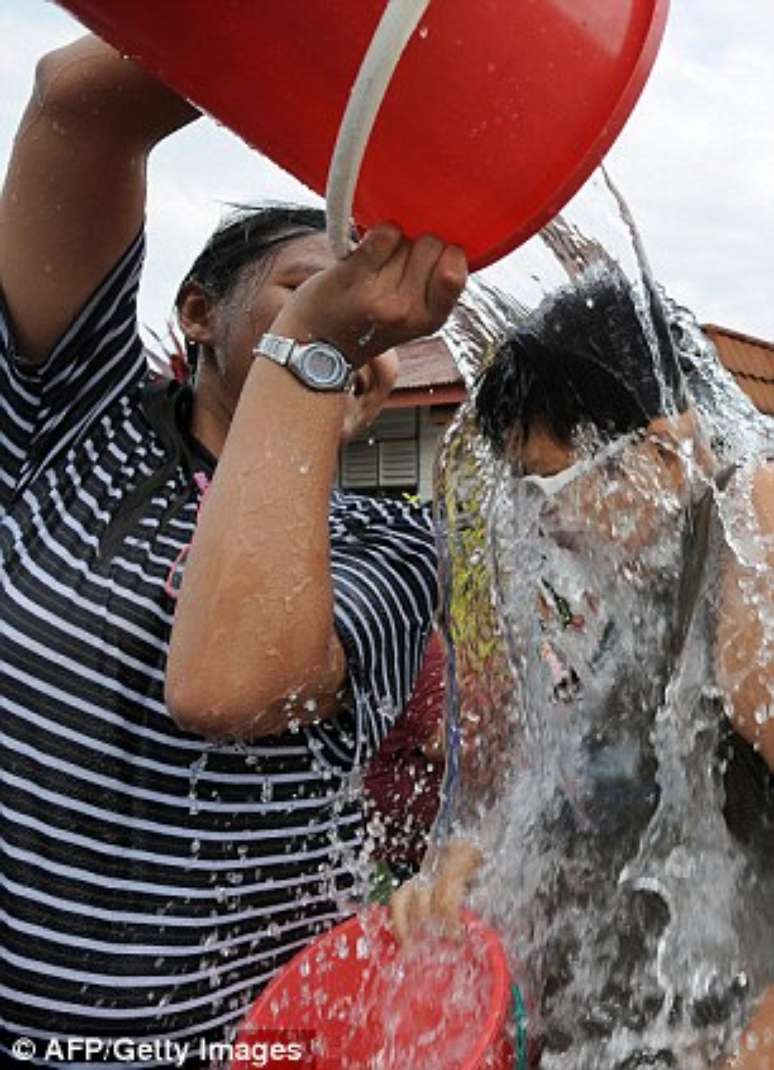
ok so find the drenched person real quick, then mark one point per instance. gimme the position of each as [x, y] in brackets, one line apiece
[154, 879]
[628, 850]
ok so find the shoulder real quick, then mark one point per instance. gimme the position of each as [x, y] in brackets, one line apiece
[351, 513]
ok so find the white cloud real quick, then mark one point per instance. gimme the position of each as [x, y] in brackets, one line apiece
[695, 162]
[193, 179]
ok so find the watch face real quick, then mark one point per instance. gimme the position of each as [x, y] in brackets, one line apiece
[324, 366]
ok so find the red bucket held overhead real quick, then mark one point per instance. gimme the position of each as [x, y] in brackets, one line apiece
[497, 113]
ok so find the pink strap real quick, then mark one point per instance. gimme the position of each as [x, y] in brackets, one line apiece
[202, 481]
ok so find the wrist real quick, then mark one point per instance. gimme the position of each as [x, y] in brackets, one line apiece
[317, 365]
[290, 325]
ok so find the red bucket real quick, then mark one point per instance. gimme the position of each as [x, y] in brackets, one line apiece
[497, 113]
[353, 1000]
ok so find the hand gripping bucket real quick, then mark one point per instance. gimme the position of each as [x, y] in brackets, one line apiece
[353, 1000]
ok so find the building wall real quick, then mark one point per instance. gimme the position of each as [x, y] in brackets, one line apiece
[432, 424]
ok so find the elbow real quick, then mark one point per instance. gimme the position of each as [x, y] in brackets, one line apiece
[219, 704]
[90, 83]
[211, 710]
[80, 84]
[187, 710]
[64, 78]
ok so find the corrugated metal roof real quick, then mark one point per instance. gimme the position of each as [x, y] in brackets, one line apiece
[751, 362]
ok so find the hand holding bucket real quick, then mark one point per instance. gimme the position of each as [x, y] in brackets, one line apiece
[496, 114]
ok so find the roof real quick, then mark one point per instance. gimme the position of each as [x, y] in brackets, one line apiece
[751, 362]
[427, 375]
[426, 363]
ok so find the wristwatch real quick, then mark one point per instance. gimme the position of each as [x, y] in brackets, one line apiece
[317, 365]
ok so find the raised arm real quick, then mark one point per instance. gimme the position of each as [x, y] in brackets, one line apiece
[744, 633]
[74, 194]
[253, 644]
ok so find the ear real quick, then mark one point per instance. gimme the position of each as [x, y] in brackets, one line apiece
[372, 386]
[195, 313]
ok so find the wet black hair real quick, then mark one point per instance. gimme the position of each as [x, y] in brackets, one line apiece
[247, 237]
[587, 358]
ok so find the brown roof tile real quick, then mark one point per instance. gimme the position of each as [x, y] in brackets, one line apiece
[426, 363]
[751, 362]
[761, 394]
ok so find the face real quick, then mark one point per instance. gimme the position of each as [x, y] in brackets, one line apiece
[628, 488]
[543, 455]
[253, 304]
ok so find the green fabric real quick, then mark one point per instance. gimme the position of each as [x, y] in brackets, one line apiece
[520, 1021]
[382, 884]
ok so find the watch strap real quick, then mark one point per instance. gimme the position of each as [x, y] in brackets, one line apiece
[296, 357]
[276, 348]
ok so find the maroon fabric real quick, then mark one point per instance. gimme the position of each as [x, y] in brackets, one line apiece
[402, 784]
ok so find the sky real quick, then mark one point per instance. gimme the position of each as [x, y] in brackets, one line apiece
[695, 162]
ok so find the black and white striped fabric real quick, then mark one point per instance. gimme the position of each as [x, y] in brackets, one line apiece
[152, 882]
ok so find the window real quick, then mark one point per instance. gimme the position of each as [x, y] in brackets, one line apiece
[385, 458]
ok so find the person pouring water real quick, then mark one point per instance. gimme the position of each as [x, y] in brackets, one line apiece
[177, 809]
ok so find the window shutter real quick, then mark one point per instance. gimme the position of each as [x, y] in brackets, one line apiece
[386, 455]
[398, 463]
[359, 464]
[389, 424]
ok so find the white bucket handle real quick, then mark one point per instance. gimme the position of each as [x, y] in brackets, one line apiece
[397, 24]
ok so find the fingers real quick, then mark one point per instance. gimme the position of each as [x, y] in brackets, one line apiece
[425, 275]
[446, 282]
[380, 246]
[459, 862]
[424, 254]
[389, 291]
[410, 909]
[418, 904]
[447, 897]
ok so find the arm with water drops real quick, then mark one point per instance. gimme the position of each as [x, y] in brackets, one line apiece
[254, 647]
[74, 194]
[745, 629]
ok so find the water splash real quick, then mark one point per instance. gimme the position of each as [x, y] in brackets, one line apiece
[628, 828]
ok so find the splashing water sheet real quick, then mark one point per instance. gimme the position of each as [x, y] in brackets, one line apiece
[628, 828]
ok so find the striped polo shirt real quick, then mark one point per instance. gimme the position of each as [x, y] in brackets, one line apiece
[153, 881]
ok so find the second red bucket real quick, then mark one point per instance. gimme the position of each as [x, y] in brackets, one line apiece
[353, 1000]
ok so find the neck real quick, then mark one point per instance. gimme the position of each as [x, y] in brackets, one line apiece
[213, 410]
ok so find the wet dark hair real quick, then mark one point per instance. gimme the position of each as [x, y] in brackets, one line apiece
[585, 359]
[247, 237]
